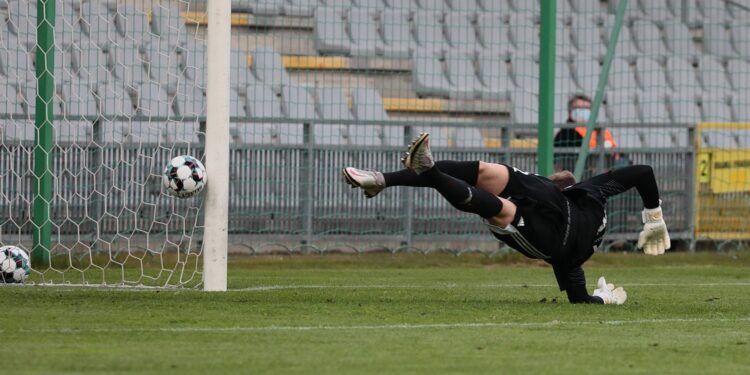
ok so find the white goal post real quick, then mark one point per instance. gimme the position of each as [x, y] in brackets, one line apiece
[216, 223]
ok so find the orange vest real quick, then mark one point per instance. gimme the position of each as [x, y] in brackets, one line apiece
[609, 141]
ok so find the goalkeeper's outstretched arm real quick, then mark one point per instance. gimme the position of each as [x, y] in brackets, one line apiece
[654, 238]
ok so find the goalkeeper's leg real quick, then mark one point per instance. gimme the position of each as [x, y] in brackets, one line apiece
[373, 182]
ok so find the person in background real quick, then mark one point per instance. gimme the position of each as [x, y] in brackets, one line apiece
[579, 112]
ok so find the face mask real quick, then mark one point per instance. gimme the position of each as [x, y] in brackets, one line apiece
[580, 114]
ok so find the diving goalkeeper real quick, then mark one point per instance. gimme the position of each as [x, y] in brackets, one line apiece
[557, 220]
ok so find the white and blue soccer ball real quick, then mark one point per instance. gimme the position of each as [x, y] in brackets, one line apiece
[15, 265]
[184, 176]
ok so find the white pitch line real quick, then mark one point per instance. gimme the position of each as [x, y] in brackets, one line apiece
[263, 288]
[400, 326]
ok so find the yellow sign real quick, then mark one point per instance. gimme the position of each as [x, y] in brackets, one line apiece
[729, 171]
[722, 189]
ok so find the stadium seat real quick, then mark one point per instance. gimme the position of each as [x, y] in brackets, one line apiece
[651, 75]
[78, 101]
[460, 30]
[428, 31]
[299, 8]
[236, 107]
[679, 39]
[741, 105]
[133, 25]
[716, 108]
[620, 76]
[329, 31]
[127, 64]
[299, 103]
[739, 73]
[262, 102]
[27, 93]
[114, 100]
[565, 49]
[716, 40]
[8, 99]
[681, 75]
[268, 68]
[656, 10]
[162, 67]
[341, 4]
[90, 61]
[712, 74]
[16, 63]
[403, 5]
[495, 76]
[649, 39]
[525, 73]
[523, 33]
[496, 6]
[168, 24]
[364, 32]
[493, 33]
[626, 46]
[685, 109]
[622, 107]
[464, 5]
[563, 78]
[258, 7]
[653, 108]
[190, 100]
[240, 73]
[714, 10]
[629, 137]
[368, 105]
[741, 39]
[153, 100]
[468, 137]
[143, 132]
[193, 64]
[182, 134]
[524, 108]
[63, 71]
[21, 21]
[332, 105]
[719, 138]
[587, 6]
[439, 136]
[398, 42]
[462, 76]
[525, 6]
[585, 35]
[434, 5]
[586, 71]
[373, 6]
[428, 77]
[67, 28]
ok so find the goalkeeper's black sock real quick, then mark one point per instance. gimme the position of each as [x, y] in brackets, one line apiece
[467, 171]
[461, 195]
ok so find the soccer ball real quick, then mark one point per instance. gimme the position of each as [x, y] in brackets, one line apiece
[184, 176]
[15, 265]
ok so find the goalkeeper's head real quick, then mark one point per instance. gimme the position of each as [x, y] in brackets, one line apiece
[563, 179]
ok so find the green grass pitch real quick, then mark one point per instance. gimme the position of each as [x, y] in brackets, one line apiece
[386, 314]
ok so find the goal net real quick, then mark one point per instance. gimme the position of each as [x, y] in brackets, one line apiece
[104, 94]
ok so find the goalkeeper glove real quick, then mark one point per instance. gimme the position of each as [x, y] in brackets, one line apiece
[654, 238]
[609, 294]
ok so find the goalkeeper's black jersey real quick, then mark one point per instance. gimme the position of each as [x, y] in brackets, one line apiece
[561, 227]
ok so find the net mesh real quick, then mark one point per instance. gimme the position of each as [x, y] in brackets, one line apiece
[128, 97]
